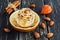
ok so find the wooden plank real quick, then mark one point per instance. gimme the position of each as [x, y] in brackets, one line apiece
[39, 4]
[4, 18]
[1, 19]
[1, 27]
[29, 36]
[13, 35]
[48, 27]
[55, 17]
[22, 35]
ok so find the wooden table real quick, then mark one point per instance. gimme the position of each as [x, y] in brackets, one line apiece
[15, 35]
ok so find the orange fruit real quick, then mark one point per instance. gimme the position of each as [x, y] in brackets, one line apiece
[46, 9]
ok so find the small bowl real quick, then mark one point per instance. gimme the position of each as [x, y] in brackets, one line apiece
[21, 29]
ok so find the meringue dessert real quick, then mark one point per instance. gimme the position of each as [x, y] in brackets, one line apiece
[24, 20]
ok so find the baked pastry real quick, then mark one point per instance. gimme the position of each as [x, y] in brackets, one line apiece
[24, 20]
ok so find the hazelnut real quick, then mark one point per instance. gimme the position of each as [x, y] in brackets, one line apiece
[32, 6]
[43, 25]
[36, 35]
[51, 23]
[47, 19]
[49, 35]
[6, 30]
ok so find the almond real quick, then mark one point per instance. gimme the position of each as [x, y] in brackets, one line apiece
[49, 35]
[6, 30]
[43, 25]
[32, 6]
[51, 23]
[36, 35]
[47, 19]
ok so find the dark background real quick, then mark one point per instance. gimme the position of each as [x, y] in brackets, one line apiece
[15, 35]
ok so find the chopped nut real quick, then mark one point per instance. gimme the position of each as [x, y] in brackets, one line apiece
[51, 23]
[43, 25]
[32, 6]
[49, 35]
[36, 35]
[27, 11]
[6, 30]
[47, 19]
[18, 14]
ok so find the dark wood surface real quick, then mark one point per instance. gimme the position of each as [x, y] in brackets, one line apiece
[15, 35]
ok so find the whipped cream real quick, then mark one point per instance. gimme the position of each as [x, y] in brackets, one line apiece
[25, 17]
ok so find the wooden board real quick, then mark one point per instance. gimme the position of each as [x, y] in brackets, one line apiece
[15, 35]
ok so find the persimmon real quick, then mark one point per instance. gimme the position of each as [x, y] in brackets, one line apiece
[46, 9]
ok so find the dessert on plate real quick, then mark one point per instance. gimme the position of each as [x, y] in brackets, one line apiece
[24, 20]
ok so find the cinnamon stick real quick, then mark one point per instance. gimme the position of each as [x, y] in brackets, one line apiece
[9, 9]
